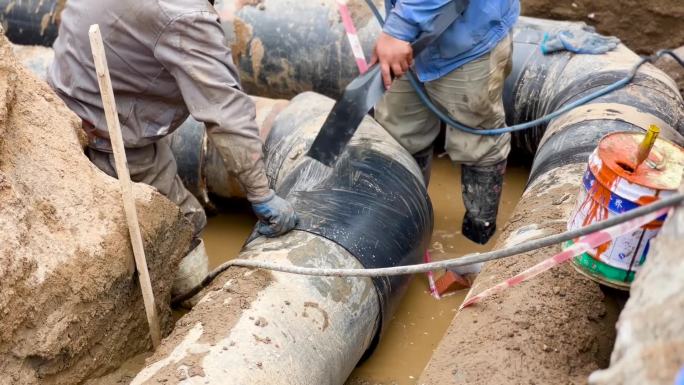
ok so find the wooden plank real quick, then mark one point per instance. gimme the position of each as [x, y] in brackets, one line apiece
[124, 177]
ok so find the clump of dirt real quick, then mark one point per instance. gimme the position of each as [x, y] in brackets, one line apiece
[70, 304]
[555, 329]
[216, 314]
[644, 26]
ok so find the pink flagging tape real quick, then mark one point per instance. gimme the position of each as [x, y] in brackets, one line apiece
[584, 244]
[352, 36]
[431, 276]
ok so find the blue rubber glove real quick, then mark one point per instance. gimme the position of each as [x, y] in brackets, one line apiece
[680, 377]
[276, 215]
[581, 42]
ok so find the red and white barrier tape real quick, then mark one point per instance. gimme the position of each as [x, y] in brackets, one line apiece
[584, 244]
[352, 36]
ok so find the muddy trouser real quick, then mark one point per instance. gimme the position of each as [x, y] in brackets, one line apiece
[155, 165]
[471, 94]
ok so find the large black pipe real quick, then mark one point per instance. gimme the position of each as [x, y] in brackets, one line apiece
[282, 47]
[31, 22]
[540, 84]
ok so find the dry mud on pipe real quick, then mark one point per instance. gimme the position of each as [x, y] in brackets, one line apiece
[285, 47]
[256, 327]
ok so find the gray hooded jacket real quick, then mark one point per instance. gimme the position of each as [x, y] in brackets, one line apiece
[167, 59]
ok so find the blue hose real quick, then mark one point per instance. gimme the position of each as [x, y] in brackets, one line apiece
[523, 126]
[425, 99]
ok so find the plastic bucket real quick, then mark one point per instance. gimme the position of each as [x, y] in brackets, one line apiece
[611, 185]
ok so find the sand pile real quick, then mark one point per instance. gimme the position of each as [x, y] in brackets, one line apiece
[70, 305]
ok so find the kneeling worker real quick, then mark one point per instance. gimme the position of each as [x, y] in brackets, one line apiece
[464, 72]
[167, 60]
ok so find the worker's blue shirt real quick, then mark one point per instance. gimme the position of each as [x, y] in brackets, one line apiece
[484, 24]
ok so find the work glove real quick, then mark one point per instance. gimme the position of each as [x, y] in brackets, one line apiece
[276, 215]
[581, 42]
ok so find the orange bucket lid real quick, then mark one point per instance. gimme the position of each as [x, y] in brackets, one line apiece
[662, 169]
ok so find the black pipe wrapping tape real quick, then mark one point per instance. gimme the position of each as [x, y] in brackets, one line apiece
[653, 96]
[369, 203]
[30, 22]
[372, 206]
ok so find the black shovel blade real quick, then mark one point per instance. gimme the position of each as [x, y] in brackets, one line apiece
[367, 89]
[362, 94]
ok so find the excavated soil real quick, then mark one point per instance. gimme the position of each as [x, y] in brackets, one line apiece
[70, 304]
[215, 316]
[555, 329]
[644, 26]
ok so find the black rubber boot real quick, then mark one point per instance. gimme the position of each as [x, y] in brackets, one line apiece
[424, 160]
[481, 188]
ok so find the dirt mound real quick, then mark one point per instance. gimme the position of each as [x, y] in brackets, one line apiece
[644, 26]
[650, 345]
[70, 305]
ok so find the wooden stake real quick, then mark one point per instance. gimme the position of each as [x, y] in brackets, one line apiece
[121, 164]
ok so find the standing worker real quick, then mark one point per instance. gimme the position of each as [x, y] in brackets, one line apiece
[167, 59]
[464, 72]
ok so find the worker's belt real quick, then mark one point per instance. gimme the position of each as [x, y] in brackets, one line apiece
[95, 141]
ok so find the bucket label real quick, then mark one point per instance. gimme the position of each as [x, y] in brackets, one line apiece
[615, 203]
[626, 252]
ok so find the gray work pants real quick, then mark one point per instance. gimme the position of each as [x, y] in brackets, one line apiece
[155, 165]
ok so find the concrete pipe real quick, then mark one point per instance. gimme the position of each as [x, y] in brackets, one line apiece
[560, 326]
[257, 327]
